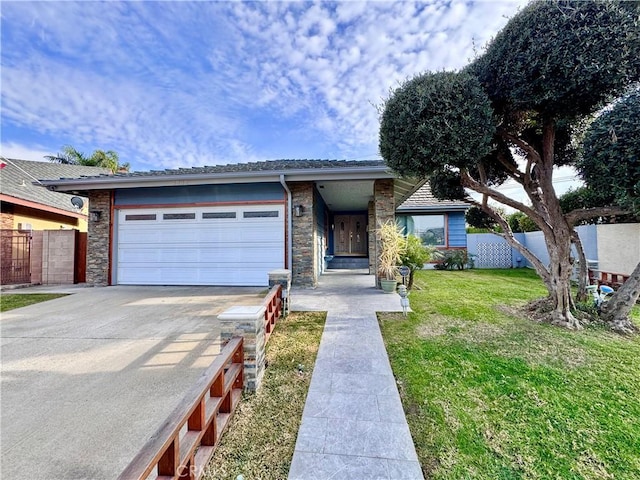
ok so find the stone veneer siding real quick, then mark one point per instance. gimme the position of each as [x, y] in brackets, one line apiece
[304, 268]
[247, 323]
[371, 221]
[384, 209]
[98, 238]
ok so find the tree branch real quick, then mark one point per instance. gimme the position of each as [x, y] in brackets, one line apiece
[513, 242]
[580, 214]
[583, 277]
[469, 182]
[517, 141]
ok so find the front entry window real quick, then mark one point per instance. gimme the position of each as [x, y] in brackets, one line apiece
[429, 228]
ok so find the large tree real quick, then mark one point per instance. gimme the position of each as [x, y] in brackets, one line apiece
[512, 114]
[610, 168]
[99, 158]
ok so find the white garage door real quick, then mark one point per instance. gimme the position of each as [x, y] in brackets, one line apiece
[235, 245]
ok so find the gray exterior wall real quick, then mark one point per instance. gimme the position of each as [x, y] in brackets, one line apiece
[235, 192]
[618, 247]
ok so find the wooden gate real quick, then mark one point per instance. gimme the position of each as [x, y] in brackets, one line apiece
[80, 264]
[16, 257]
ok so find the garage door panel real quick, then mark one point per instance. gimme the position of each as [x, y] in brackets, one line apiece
[158, 236]
[220, 254]
[200, 251]
[194, 275]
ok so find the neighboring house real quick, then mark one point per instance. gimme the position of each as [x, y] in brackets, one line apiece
[231, 224]
[27, 211]
[24, 203]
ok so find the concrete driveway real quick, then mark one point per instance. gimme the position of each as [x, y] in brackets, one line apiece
[86, 379]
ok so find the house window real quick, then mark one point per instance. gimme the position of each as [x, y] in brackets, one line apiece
[269, 213]
[429, 228]
[179, 216]
[206, 215]
[149, 216]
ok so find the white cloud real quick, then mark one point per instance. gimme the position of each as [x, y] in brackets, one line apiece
[170, 84]
[25, 152]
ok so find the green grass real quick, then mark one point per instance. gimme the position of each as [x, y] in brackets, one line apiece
[10, 301]
[261, 437]
[492, 395]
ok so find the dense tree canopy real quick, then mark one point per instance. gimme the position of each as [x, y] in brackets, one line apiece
[610, 160]
[560, 59]
[610, 167]
[513, 113]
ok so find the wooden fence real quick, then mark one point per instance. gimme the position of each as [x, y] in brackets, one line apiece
[273, 305]
[205, 411]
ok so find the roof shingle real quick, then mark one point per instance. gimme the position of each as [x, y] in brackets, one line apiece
[423, 198]
[18, 177]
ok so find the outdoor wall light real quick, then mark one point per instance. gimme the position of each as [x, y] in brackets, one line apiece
[94, 215]
[298, 210]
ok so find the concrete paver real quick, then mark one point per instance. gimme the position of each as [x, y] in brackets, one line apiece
[353, 425]
[86, 379]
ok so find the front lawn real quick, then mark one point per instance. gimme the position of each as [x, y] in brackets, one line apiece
[10, 301]
[492, 395]
[261, 437]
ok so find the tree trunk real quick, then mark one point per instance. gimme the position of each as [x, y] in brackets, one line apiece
[616, 311]
[583, 275]
[560, 273]
[557, 233]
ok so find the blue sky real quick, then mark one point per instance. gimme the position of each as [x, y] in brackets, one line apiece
[178, 84]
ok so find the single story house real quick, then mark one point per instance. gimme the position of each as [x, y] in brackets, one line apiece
[231, 224]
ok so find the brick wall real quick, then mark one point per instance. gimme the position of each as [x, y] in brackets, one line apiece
[6, 217]
[37, 239]
[58, 253]
[304, 268]
[384, 208]
[98, 238]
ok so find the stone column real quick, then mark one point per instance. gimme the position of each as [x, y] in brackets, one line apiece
[282, 277]
[373, 254]
[303, 236]
[247, 322]
[98, 248]
[384, 209]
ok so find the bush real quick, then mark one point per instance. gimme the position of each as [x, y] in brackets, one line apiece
[415, 256]
[452, 259]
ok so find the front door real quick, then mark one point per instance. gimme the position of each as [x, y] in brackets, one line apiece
[350, 235]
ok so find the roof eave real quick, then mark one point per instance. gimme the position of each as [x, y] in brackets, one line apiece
[41, 206]
[186, 179]
[433, 209]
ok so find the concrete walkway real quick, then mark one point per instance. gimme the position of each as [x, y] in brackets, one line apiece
[353, 425]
